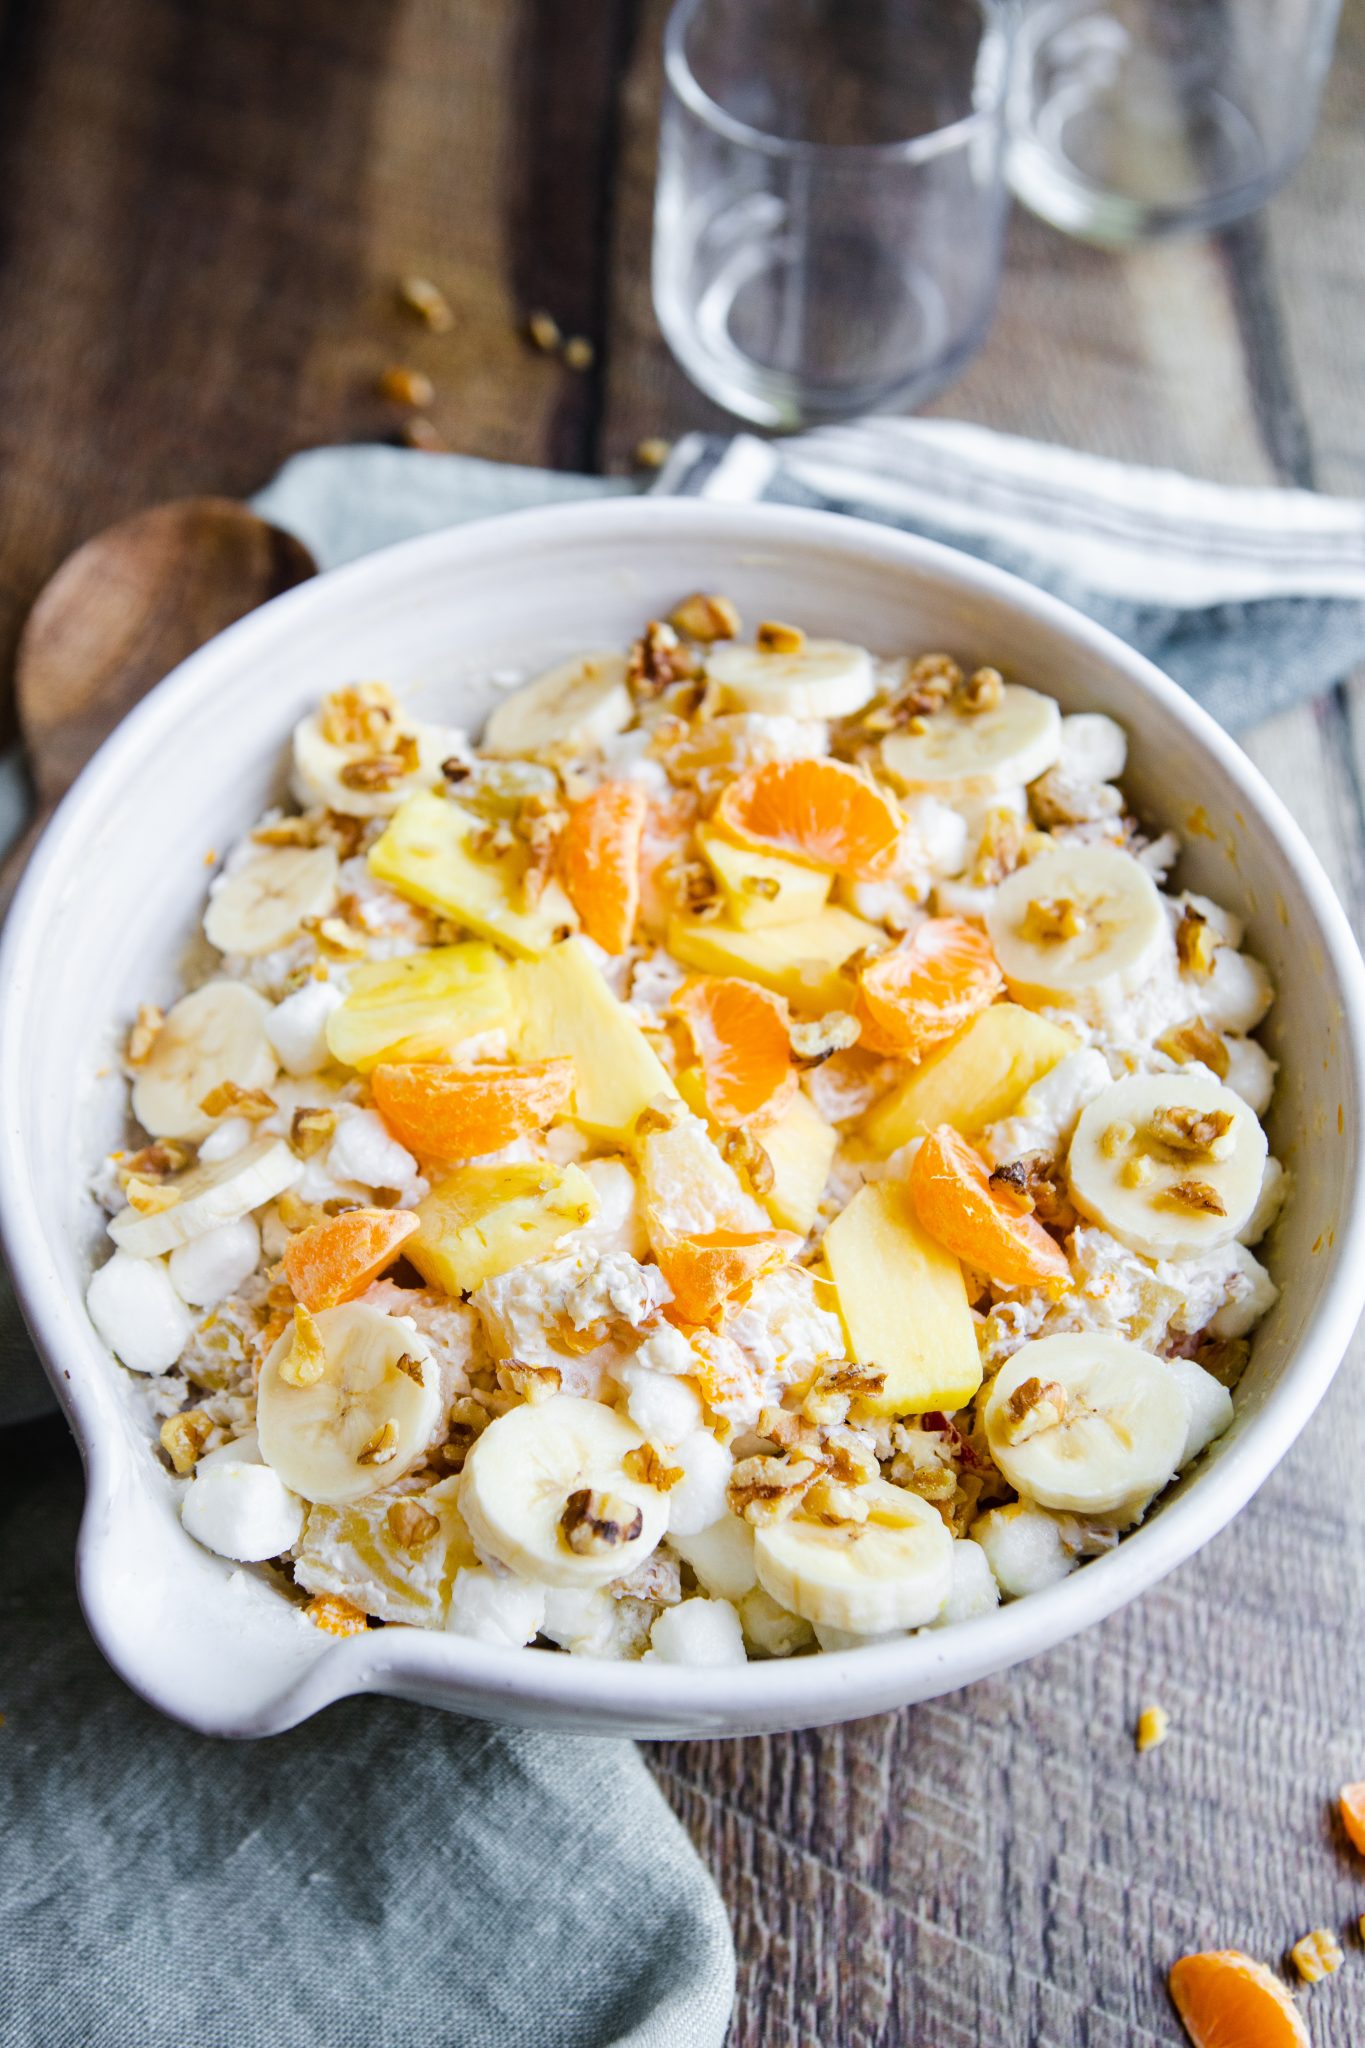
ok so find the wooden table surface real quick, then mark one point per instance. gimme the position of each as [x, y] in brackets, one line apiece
[204, 206]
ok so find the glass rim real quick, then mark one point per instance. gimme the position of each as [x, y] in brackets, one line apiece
[683, 82]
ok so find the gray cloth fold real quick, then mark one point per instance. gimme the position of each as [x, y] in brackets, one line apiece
[382, 1877]
[389, 1878]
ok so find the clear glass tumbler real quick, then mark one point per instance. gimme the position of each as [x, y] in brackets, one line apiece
[831, 198]
[1135, 118]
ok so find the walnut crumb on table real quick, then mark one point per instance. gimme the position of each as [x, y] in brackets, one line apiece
[1153, 1726]
[1316, 1955]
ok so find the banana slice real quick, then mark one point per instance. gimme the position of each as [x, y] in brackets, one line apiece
[972, 753]
[546, 1491]
[364, 1420]
[216, 1192]
[365, 777]
[1081, 927]
[1086, 1424]
[572, 707]
[261, 904]
[821, 679]
[213, 1035]
[893, 1571]
[1170, 1164]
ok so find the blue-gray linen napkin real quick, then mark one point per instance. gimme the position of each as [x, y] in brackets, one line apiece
[390, 1877]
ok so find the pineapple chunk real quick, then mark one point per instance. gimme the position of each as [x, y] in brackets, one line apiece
[904, 1303]
[801, 1146]
[421, 1007]
[688, 1188]
[760, 889]
[973, 1080]
[483, 1220]
[364, 1556]
[799, 961]
[424, 854]
[565, 1009]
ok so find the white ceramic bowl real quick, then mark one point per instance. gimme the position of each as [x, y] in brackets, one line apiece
[117, 887]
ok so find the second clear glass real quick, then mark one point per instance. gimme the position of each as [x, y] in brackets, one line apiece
[831, 200]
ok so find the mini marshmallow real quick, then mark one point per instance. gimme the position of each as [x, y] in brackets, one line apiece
[239, 1508]
[495, 1608]
[722, 1556]
[225, 1140]
[362, 1150]
[662, 1408]
[214, 1265]
[698, 1632]
[1209, 1404]
[1094, 748]
[138, 1313]
[297, 1027]
[974, 1590]
[1023, 1547]
[699, 1498]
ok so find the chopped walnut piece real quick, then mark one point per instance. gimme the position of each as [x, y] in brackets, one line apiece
[312, 1130]
[1196, 1040]
[742, 1150]
[296, 1214]
[578, 353]
[149, 1197]
[361, 716]
[659, 1115]
[1115, 1138]
[381, 1448]
[772, 637]
[828, 1501]
[337, 938]
[813, 1043]
[428, 302]
[335, 1616]
[228, 1099]
[936, 1483]
[1225, 1357]
[531, 1383]
[1001, 849]
[1137, 1171]
[650, 1466]
[154, 1161]
[1153, 1725]
[411, 1368]
[305, 1362]
[466, 1420]
[658, 659]
[1052, 918]
[1195, 1195]
[411, 1525]
[184, 1437]
[1196, 942]
[542, 329]
[383, 771]
[695, 889]
[652, 452]
[984, 690]
[765, 886]
[142, 1037]
[1195, 1133]
[595, 1520]
[1011, 1183]
[1032, 1408]
[767, 1489]
[402, 385]
[850, 1455]
[705, 618]
[1316, 1955]
[1057, 798]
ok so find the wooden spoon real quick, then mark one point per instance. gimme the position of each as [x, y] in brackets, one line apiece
[119, 615]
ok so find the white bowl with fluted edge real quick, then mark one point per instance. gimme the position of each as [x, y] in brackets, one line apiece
[113, 897]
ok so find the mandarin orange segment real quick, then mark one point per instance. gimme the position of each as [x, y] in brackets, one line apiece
[913, 997]
[448, 1112]
[711, 1271]
[821, 812]
[1353, 1814]
[336, 1260]
[599, 861]
[336, 1616]
[1227, 2000]
[742, 1036]
[951, 1190]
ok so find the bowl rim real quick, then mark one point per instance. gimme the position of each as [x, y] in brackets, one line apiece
[717, 1700]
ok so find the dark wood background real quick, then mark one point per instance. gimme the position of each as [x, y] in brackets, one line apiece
[204, 207]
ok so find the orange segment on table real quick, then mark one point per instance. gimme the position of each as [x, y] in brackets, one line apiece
[818, 811]
[709, 1271]
[336, 1260]
[449, 1112]
[923, 990]
[599, 861]
[1353, 1814]
[743, 1038]
[951, 1191]
[1228, 2000]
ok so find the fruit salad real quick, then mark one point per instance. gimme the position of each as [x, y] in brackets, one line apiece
[751, 1154]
